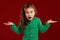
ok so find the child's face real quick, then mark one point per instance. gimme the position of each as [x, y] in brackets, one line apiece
[29, 13]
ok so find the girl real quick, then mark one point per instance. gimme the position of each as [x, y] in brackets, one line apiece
[29, 23]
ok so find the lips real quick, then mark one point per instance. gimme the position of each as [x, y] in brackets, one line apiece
[29, 17]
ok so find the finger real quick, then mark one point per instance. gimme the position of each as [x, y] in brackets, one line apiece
[53, 21]
[5, 24]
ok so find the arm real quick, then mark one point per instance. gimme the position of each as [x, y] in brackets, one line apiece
[16, 29]
[43, 28]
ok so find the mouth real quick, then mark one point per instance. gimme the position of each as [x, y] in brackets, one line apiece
[29, 17]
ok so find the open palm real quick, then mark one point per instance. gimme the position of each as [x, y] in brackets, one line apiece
[9, 23]
[51, 21]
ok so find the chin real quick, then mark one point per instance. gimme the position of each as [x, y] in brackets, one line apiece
[29, 19]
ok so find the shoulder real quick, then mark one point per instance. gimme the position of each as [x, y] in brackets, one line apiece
[37, 18]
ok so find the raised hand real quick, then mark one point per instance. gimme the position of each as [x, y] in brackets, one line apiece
[51, 21]
[9, 23]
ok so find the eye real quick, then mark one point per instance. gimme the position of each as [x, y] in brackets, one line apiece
[31, 11]
[27, 12]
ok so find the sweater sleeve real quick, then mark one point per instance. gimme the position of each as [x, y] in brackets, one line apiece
[43, 28]
[16, 29]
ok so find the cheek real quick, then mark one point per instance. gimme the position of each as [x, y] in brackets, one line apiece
[26, 15]
[33, 14]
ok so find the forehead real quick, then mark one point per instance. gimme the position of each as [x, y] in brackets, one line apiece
[29, 9]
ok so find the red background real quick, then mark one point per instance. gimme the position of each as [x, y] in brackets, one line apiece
[47, 9]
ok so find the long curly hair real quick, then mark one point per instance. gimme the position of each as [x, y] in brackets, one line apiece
[24, 20]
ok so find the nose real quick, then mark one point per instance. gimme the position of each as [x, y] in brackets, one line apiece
[29, 14]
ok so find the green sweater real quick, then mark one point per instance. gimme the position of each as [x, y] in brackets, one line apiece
[32, 28]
